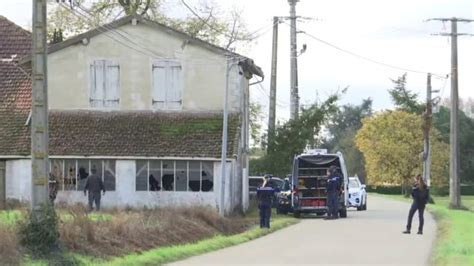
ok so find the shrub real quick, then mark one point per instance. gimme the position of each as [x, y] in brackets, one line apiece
[9, 247]
[39, 233]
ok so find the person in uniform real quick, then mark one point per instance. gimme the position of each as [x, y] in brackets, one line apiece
[94, 185]
[333, 188]
[265, 195]
[420, 195]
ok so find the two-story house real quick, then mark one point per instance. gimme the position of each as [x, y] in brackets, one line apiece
[142, 104]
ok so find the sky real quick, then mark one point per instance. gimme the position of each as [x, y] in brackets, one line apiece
[392, 32]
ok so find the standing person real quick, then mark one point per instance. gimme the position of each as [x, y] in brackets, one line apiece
[265, 195]
[53, 187]
[94, 185]
[333, 187]
[420, 195]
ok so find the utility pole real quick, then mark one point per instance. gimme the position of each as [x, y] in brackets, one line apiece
[294, 99]
[273, 79]
[3, 191]
[39, 117]
[427, 128]
[454, 182]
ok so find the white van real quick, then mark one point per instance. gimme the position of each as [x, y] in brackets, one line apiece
[310, 179]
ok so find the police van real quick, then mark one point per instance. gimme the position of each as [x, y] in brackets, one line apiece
[310, 179]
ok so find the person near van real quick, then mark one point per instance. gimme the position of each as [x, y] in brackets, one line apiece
[420, 195]
[265, 195]
[94, 185]
[333, 188]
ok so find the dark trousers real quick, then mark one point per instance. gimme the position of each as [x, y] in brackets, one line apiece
[265, 213]
[421, 209]
[94, 197]
[333, 204]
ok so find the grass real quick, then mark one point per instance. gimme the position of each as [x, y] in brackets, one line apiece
[120, 236]
[171, 253]
[178, 252]
[10, 217]
[455, 240]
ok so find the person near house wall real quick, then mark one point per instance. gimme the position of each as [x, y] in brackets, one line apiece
[53, 187]
[94, 185]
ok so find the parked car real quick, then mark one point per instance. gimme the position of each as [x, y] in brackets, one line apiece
[257, 181]
[357, 194]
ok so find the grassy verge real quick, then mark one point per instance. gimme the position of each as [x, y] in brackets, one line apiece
[178, 252]
[455, 240]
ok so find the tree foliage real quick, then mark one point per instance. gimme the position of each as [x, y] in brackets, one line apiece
[403, 99]
[466, 137]
[255, 123]
[392, 143]
[342, 128]
[207, 22]
[293, 138]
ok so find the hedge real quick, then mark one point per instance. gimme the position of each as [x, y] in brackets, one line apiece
[440, 191]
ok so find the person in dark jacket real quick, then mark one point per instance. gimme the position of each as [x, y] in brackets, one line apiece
[333, 189]
[265, 195]
[420, 195]
[94, 185]
[53, 187]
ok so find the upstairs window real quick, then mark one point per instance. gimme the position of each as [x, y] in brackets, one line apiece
[104, 84]
[167, 85]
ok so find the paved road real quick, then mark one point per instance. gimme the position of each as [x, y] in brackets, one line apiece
[366, 237]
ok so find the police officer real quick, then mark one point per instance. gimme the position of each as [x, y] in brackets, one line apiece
[333, 187]
[420, 195]
[265, 195]
[94, 185]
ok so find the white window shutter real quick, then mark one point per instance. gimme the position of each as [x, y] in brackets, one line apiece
[97, 78]
[175, 88]
[159, 85]
[112, 89]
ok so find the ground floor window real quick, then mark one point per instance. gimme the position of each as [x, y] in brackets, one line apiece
[171, 175]
[71, 174]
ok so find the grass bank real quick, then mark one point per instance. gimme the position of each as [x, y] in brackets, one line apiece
[179, 252]
[455, 239]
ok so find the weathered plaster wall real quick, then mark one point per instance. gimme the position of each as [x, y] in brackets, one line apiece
[204, 71]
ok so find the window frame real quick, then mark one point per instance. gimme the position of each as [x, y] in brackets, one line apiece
[174, 171]
[62, 186]
[167, 103]
[104, 102]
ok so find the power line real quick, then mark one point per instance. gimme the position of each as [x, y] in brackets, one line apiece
[222, 32]
[123, 35]
[364, 57]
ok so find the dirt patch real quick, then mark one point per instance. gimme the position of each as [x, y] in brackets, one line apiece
[130, 231]
[9, 247]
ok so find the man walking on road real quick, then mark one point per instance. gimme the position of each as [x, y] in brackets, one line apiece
[94, 185]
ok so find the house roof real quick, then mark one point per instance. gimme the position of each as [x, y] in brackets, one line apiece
[248, 65]
[95, 133]
[14, 40]
[146, 133]
[141, 134]
[15, 86]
